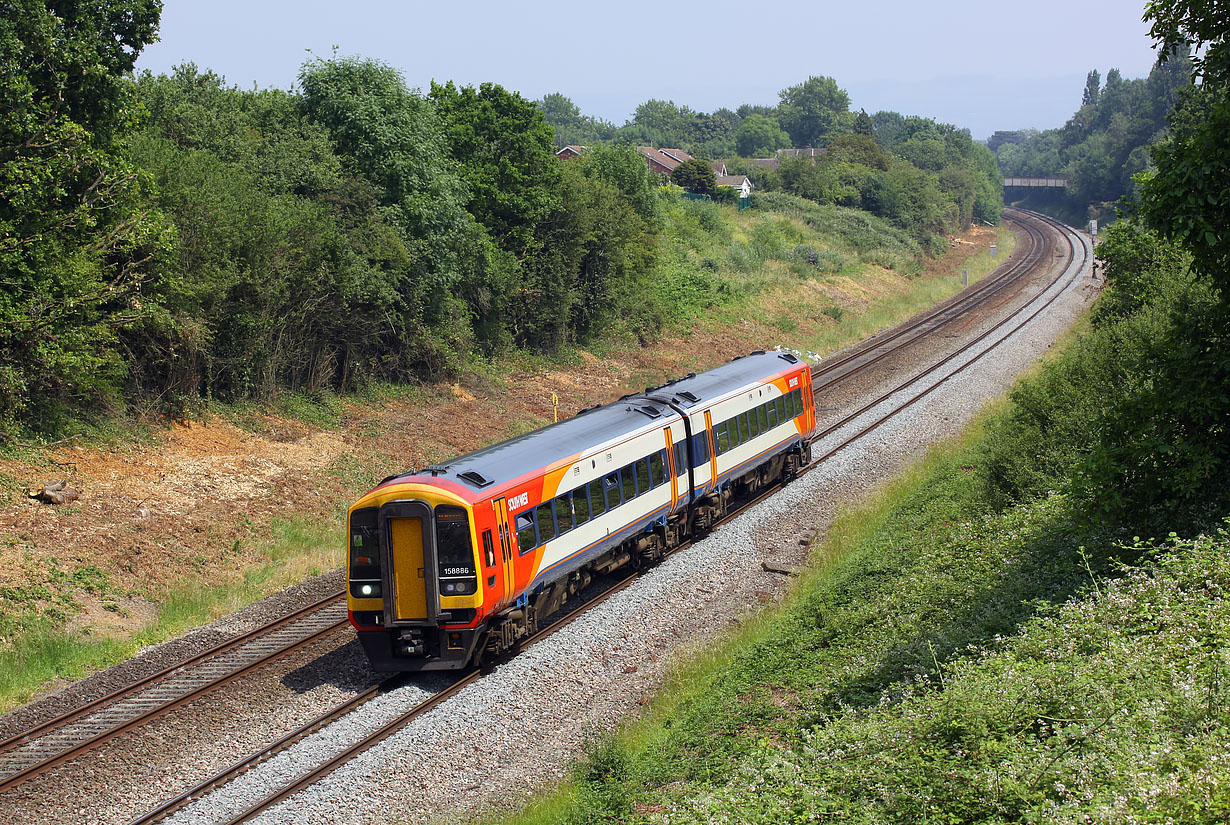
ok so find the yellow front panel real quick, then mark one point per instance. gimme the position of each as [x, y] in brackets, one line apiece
[408, 583]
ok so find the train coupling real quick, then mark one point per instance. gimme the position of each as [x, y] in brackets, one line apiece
[411, 643]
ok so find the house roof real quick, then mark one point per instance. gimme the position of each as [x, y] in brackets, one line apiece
[654, 156]
[573, 149]
[733, 180]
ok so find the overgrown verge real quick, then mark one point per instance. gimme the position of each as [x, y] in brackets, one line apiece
[990, 641]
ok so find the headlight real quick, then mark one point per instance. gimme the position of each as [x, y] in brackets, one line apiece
[365, 590]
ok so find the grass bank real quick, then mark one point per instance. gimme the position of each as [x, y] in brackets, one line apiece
[50, 650]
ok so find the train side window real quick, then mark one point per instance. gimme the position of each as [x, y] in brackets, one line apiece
[681, 458]
[744, 432]
[610, 483]
[700, 447]
[763, 415]
[644, 482]
[597, 500]
[722, 437]
[580, 505]
[488, 549]
[780, 403]
[657, 468]
[753, 423]
[563, 513]
[771, 411]
[796, 398]
[628, 476]
[546, 523]
[527, 538]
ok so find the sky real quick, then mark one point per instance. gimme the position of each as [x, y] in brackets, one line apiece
[980, 65]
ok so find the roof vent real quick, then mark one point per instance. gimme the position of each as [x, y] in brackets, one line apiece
[475, 477]
[688, 396]
[786, 356]
[652, 412]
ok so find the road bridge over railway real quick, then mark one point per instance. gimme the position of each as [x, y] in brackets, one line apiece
[1036, 183]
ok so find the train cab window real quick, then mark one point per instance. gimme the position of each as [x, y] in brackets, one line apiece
[753, 423]
[763, 415]
[610, 483]
[796, 400]
[580, 505]
[657, 468]
[546, 524]
[771, 413]
[722, 437]
[627, 477]
[597, 499]
[643, 480]
[563, 513]
[454, 547]
[527, 537]
[488, 549]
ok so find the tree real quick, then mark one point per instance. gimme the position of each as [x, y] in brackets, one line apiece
[814, 110]
[394, 139]
[1093, 83]
[75, 242]
[572, 127]
[863, 124]
[695, 175]
[1185, 198]
[759, 136]
[504, 147]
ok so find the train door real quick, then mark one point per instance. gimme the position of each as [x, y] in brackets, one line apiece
[506, 552]
[713, 471]
[670, 468]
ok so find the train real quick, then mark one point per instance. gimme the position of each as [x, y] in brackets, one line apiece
[454, 564]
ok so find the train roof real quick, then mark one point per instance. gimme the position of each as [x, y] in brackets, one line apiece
[501, 463]
[730, 377]
[493, 467]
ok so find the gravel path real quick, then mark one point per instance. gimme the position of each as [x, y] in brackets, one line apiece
[516, 730]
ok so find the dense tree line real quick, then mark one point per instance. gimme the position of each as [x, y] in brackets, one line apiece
[926, 177]
[202, 241]
[167, 239]
[1103, 145]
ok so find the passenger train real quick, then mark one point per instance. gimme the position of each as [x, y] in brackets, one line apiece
[458, 562]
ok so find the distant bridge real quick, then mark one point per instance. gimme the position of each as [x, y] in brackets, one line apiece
[1034, 183]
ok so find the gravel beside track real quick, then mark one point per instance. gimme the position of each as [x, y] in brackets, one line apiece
[515, 731]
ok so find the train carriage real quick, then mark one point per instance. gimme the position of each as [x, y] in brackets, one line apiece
[461, 560]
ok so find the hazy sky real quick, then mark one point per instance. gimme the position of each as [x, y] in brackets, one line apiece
[981, 65]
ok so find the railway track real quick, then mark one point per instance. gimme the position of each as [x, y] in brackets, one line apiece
[39, 749]
[69, 735]
[878, 347]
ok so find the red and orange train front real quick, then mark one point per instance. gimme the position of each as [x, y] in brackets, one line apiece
[415, 591]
